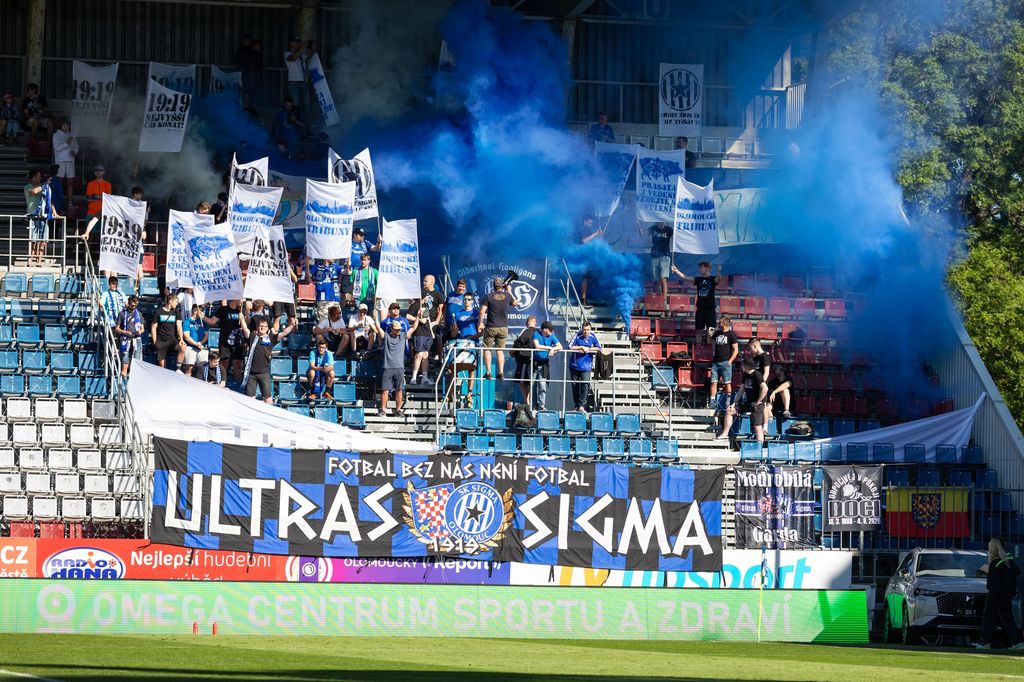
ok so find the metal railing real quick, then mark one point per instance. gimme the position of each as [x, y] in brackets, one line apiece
[19, 242]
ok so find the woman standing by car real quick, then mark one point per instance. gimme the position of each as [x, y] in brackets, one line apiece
[1002, 585]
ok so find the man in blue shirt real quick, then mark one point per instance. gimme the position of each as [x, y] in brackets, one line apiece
[547, 344]
[467, 318]
[195, 333]
[394, 315]
[321, 371]
[601, 131]
[359, 245]
[324, 274]
[584, 346]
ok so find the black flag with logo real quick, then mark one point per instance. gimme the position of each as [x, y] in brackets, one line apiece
[853, 498]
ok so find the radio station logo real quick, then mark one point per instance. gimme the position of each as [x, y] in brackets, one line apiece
[304, 569]
[84, 563]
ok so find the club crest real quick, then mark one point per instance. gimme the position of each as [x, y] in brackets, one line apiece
[926, 509]
[466, 519]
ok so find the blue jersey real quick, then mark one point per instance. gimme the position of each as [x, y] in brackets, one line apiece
[386, 323]
[325, 277]
[583, 362]
[358, 249]
[195, 328]
[467, 321]
[547, 342]
[316, 360]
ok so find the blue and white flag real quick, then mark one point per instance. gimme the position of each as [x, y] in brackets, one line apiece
[656, 175]
[121, 231]
[322, 91]
[179, 258]
[615, 162]
[216, 274]
[399, 261]
[225, 81]
[696, 225]
[174, 77]
[268, 278]
[360, 171]
[329, 219]
[251, 207]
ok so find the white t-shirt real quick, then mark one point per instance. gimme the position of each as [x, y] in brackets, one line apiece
[335, 327]
[361, 328]
[294, 69]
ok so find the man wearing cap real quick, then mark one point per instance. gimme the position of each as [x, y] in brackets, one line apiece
[362, 333]
[393, 378]
[494, 325]
[359, 245]
[394, 315]
[296, 74]
[94, 192]
[65, 147]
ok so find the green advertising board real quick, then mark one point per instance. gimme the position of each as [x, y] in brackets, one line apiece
[151, 607]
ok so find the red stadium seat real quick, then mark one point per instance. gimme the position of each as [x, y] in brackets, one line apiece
[743, 281]
[782, 354]
[823, 284]
[795, 284]
[754, 306]
[652, 352]
[149, 263]
[23, 529]
[691, 377]
[305, 292]
[818, 332]
[779, 306]
[800, 380]
[654, 303]
[679, 303]
[40, 148]
[804, 307]
[835, 307]
[805, 405]
[767, 281]
[827, 355]
[703, 352]
[767, 330]
[831, 405]
[639, 328]
[743, 329]
[817, 381]
[729, 305]
[857, 406]
[805, 355]
[788, 328]
[884, 407]
[843, 381]
[51, 529]
[673, 347]
[666, 328]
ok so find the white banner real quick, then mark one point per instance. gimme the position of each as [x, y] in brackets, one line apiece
[322, 91]
[615, 161]
[292, 211]
[165, 119]
[741, 568]
[121, 234]
[681, 99]
[216, 274]
[656, 174]
[268, 277]
[92, 91]
[329, 219]
[172, 77]
[251, 207]
[225, 81]
[253, 173]
[695, 223]
[399, 261]
[179, 258]
[360, 171]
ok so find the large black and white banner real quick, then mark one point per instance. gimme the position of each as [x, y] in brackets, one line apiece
[216, 275]
[225, 81]
[164, 120]
[253, 173]
[349, 504]
[174, 77]
[853, 498]
[251, 207]
[774, 507]
[360, 171]
[329, 219]
[268, 277]
[92, 91]
[657, 173]
[179, 257]
[124, 220]
[681, 99]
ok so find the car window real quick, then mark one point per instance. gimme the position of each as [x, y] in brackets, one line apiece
[905, 565]
[951, 565]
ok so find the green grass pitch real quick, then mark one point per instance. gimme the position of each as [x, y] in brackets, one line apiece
[206, 657]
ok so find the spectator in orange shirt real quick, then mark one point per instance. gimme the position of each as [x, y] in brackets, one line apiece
[94, 192]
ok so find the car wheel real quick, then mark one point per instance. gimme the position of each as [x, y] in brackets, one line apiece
[890, 634]
[908, 634]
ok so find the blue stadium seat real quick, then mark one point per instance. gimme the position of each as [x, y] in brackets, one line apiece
[946, 454]
[805, 452]
[897, 476]
[8, 361]
[450, 440]
[586, 446]
[96, 387]
[971, 454]
[929, 477]
[149, 287]
[12, 384]
[298, 408]
[467, 420]
[344, 392]
[289, 391]
[6, 332]
[505, 443]
[857, 453]
[214, 338]
[830, 453]
[478, 442]
[55, 335]
[15, 283]
[548, 421]
[663, 378]
[560, 445]
[40, 384]
[22, 309]
[779, 451]
[988, 479]
[81, 336]
[3, 309]
[126, 285]
[613, 447]
[281, 368]
[742, 427]
[27, 334]
[602, 423]
[353, 417]
[575, 423]
[42, 285]
[88, 361]
[666, 448]
[51, 310]
[326, 413]
[914, 453]
[822, 427]
[302, 367]
[33, 361]
[69, 285]
[979, 502]
[298, 341]
[883, 453]
[869, 424]
[340, 368]
[751, 451]
[494, 421]
[843, 427]
[960, 478]
[69, 386]
[627, 424]
[640, 447]
[533, 444]
[76, 309]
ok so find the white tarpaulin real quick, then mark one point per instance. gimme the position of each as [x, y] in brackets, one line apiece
[681, 99]
[92, 91]
[322, 91]
[121, 234]
[615, 162]
[171, 405]
[165, 119]
[696, 227]
[399, 273]
[268, 277]
[216, 274]
[179, 258]
[656, 175]
[251, 207]
[329, 219]
[952, 428]
[225, 81]
[360, 171]
[173, 77]
[292, 211]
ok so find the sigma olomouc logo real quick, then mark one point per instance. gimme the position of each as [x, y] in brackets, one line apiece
[83, 563]
[680, 89]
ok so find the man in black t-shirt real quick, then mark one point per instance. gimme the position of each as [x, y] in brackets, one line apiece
[494, 324]
[524, 373]
[661, 256]
[427, 310]
[230, 342]
[755, 390]
[257, 357]
[705, 317]
[726, 348]
[762, 360]
[165, 331]
[779, 385]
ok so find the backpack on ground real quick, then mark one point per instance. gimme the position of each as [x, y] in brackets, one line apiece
[522, 417]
